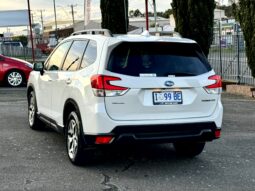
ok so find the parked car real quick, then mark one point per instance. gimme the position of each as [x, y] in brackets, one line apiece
[14, 72]
[43, 47]
[100, 89]
[13, 43]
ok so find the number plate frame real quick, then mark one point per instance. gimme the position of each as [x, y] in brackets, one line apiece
[166, 102]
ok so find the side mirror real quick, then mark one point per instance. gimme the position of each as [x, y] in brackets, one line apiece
[39, 67]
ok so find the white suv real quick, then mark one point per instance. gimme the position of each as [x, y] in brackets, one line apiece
[102, 89]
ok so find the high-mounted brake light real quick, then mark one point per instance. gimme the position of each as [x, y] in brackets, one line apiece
[102, 86]
[215, 88]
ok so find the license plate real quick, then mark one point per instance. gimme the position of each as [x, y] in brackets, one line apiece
[167, 98]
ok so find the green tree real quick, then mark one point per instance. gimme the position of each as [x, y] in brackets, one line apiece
[22, 39]
[114, 16]
[150, 14]
[167, 13]
[137, 13]
[194, 19]
[131, 13]
[245, 13]
[228, 10]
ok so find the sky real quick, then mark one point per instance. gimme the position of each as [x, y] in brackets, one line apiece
[48, 4]
[63, 6]
[64, 10]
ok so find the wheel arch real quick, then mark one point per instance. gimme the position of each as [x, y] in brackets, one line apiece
[30, 88]
[69, 106]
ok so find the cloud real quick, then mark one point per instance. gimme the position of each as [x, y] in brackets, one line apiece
[161, 5]
[13, 5]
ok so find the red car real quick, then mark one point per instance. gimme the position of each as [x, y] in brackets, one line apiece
[14, 72]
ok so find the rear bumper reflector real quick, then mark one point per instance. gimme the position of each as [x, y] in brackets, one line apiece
[103, 140]
[217, 134]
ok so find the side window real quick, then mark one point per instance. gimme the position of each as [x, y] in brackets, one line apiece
[74, 55]
[90, 55]
[56, 59]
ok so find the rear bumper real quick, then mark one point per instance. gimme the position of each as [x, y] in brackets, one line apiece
[96, 120]
[167, 133]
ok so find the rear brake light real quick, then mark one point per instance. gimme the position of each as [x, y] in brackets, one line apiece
[215, 88]
[102, 86]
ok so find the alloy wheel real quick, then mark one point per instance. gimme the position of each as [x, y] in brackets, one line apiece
[15, 79]
[72, 138]
[31, 112]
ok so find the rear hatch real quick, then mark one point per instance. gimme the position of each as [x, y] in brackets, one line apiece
[165, 81]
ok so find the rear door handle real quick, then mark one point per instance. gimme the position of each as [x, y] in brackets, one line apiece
[68, 81]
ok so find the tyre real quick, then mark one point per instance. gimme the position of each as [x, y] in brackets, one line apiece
[14, 79]
[189, 149]
[75, 145]
[34, 122]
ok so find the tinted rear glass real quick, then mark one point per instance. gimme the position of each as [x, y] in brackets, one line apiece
[158, 59]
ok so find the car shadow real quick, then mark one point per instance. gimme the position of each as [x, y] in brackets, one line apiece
[123, 157]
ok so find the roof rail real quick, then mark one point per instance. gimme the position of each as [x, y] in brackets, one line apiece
[104, 32]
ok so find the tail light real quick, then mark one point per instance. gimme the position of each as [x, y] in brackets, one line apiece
[215, 88]
[102, 86]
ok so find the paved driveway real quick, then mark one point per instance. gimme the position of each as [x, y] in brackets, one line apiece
[31, 160]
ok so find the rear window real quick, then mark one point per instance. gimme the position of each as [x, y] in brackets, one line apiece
[158, 59]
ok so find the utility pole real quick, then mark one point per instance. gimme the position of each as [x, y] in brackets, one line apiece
[56, 25]
[42, 20]
[32, 16]
[221, 65]
[31, 32]
[87, 11]
[147, 16]
[126, 15]
[155, 15]
[72, 11]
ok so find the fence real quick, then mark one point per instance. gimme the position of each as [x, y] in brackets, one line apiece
[228, 58]
[19, 52]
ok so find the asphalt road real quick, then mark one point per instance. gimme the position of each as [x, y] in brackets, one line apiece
[37, 160]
